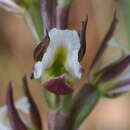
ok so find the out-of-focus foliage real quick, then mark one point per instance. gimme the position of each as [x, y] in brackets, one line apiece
[124, 6]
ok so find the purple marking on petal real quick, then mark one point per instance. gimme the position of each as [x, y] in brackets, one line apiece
[15, 121]
[106, 39]
[35, 115]
[116, 69]
[41, 48]
[83, 38]
[58, 86]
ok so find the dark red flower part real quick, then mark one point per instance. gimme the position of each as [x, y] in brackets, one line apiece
[35, 115]
[83, 38]
[116, 69]
[15, 121]
[48, 12]
[58, 86]
[41, 48]
[62, 12]
[106, 39]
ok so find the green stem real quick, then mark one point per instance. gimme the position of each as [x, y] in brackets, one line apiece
[57, 121]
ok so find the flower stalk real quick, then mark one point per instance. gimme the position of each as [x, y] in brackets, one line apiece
[57, 66]
[57, 121]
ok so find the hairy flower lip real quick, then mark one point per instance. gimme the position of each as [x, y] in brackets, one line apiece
[58, 86]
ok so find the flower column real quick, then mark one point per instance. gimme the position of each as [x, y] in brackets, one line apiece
[57, 61]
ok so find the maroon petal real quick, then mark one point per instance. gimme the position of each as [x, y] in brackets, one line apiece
[35, 115]
[58, 86]
[106, 39]
[41, 48]
[62, 11]
[48, 12]
[83, 38]
[15, 121]
[116, 69]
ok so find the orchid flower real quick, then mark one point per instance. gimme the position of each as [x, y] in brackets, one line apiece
[16, 116]
[29, 10]
[59, 64]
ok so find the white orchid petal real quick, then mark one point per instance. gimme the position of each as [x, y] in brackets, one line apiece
[38, 69]
[70, 41]
[10, 5]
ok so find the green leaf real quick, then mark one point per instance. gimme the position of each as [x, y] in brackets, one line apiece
[83, 103]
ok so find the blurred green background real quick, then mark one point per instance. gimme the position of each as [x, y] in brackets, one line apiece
[16, 50]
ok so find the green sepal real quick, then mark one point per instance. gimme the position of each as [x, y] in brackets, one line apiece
[82, 105]
[33, 9]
